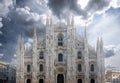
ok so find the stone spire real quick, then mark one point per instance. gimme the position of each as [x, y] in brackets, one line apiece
[86, 56]
[18, 54]
[102, 61]
[22, 46]
[20, 49]
[34, 40]
[98, 60]
[85, 39]
[34, 55]
[20, 60]
[97, 44]
[101, 44]
[47, 49]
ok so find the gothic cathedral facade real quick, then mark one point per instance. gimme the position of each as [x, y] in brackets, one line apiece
[61, 56]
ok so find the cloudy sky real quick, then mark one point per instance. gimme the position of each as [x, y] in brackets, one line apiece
[102, 18]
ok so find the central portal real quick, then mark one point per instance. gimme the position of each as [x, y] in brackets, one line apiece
[60, 78]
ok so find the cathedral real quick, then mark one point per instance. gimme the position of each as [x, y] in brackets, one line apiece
[60, 56]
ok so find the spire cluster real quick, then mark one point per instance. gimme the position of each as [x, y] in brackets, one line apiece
[49, 20]
[99, 45]
[70, 20]
[20, 47]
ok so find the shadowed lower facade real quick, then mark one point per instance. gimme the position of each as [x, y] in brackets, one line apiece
[60, 56]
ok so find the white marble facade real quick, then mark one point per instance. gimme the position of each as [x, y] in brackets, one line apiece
[61, 56]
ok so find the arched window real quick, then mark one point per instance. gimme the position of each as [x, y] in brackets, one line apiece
[79, 55]
[60, 40]
[28, 68]
[79, 80]
[92, 67]
[41, 67]
[28, 81]
[79, 67]
[60, 57]
[92, 81]
[41, 55]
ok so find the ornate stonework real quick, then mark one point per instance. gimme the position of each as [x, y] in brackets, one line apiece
[62, 56]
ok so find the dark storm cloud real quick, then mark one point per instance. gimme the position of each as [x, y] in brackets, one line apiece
[61, 8]
[57, 6]
[7, 39]
[97, 5]
[109, 53]
[19, 20]
[14, 27]
[28, 20]
[36, 6]
[111, 50]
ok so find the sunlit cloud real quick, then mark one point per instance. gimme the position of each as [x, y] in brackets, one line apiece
[83, 3]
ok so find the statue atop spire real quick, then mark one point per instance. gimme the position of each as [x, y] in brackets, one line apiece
[99, 44]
